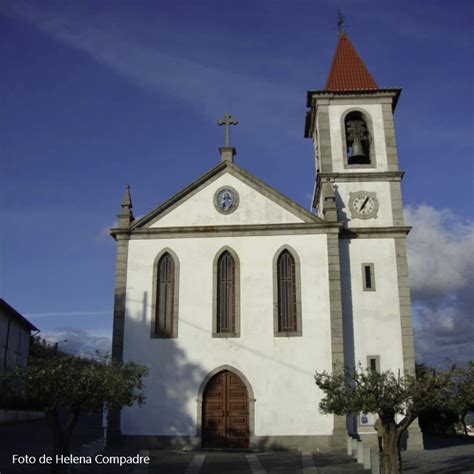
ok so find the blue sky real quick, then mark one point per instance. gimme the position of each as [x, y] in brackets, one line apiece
[97, 95]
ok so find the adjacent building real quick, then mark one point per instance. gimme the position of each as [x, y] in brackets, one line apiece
[15, 332]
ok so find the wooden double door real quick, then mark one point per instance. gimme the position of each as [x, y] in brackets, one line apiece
[225, 412]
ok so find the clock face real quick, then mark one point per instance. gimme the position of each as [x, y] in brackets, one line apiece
[363, 204]
[226, 200]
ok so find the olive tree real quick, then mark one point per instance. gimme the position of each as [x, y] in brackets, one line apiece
[396, 398]
[461, 395]
[66, 386]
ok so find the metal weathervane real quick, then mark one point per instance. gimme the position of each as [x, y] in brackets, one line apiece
[340, 21]
[227, 121]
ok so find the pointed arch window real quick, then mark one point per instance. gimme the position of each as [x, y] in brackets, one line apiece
[226, 301]
[165, 297]
[287, 293]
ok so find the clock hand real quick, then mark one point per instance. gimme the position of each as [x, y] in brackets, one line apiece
[365, 202]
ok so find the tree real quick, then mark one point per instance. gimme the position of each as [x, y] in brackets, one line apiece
[66, 386]
[397, 399]
[461, 396]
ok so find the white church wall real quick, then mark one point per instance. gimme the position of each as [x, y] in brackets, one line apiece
[373, 317]
[253, 208]
[374, 111]
[279, 369]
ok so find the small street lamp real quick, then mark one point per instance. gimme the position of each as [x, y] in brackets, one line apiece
[56, 345]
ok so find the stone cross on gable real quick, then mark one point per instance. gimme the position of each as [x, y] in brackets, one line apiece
[227, 121]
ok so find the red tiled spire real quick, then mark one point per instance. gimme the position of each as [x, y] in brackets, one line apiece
[348, 71]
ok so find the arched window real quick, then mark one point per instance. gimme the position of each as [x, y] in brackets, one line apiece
[226, 293]
[287, 318]
[165, 298]
[286, 277]
[358, 139]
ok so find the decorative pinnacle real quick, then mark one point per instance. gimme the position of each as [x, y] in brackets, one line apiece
[227, 121]
[127, 199]
[125, 217]
[340, 22]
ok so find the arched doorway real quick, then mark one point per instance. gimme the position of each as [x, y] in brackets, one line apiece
[225, 412]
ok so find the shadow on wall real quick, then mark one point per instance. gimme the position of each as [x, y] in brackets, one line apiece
[341, 215]
[171, 384]
[171, 388]
[348, 316]
[347, 303]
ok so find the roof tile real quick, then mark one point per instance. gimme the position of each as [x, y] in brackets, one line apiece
[348, 71]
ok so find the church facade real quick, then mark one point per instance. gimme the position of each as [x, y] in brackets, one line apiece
[234, 295]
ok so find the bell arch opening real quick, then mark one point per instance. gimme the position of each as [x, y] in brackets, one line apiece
[358, 139]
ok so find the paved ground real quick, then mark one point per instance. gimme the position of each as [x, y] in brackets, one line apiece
[252, 463]
[442, 456]
[34, 438]
[448, 455]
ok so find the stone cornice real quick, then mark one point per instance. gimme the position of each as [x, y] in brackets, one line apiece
[374, 232]
[346, 177]
[226, 230]
[353, 94]
[363, 175]
[120, 233]
[314, 98]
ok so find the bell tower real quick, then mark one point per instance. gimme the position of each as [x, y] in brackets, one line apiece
[350, 123]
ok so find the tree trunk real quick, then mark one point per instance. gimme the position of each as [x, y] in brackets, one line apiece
[61, 437]
[391, 459]
[463, 421]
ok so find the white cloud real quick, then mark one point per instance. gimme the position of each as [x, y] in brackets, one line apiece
[441, 251]
[441, 261]
[79, 342]
[104, 233]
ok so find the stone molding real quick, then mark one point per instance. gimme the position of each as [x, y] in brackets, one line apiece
[121, 263]
[337, 333]
[404, 295]
[358, 177]
[363, 176]
[324, 139]
[397, 204]
[375, 232]
[389, 93]
[229, 230]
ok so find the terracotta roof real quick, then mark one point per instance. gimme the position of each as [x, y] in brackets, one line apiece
[348, 71]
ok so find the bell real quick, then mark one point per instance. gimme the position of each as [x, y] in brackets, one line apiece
[358, 155]
[358, 149]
